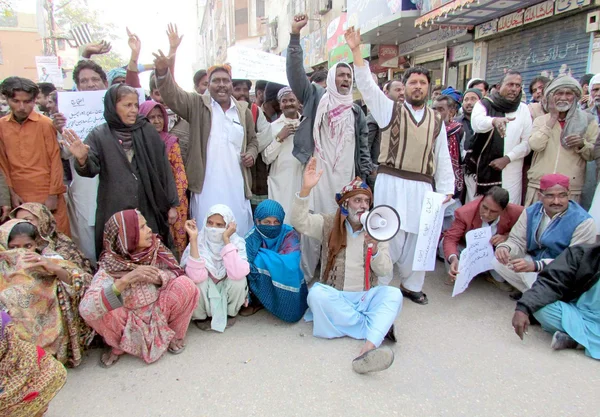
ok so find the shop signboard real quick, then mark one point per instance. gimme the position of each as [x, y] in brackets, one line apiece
[568, 5]
[368, 14]
[539, 11]
[344, 54]
[511, 20]
[462, 52]
[432, 39]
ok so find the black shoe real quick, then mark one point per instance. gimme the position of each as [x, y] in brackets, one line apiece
[391, 335]
[516, 295]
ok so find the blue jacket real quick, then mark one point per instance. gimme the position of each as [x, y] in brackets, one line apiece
[557, 236]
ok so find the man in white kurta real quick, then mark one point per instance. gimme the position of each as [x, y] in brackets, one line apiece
[285, 172]
[223, 178]
[404, 188]
[516, 127]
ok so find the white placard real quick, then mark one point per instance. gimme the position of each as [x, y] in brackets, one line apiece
[475, 258]
[48, 70]
[253, 64]
[84, 110]
[430, 227]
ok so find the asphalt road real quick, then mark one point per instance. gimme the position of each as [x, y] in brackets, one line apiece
[455, 357]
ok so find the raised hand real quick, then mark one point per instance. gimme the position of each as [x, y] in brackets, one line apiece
[79, 149]
[97, 48]
[352, 37]
[191, 228]
[174, 38]
[162, 63]
[229, 231]
[311, 177]
[134, 42]
[300, 20]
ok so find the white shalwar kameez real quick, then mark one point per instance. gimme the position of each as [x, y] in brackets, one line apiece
[406, 196]
[223, 180]
[285, 171]
[516, 147]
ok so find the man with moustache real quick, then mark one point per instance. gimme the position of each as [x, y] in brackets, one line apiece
[285, 172]
[413, 158]
[470, 98]
[544, 230]
[223, 145]
[562, 140]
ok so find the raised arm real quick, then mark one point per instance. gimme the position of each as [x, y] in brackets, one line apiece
[132, 77]
[304, 222]
[174, 96]
[174, 42]
[87, 163]
[294, 65]
[381, 107]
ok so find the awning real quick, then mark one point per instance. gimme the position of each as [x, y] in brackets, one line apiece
[430, 18]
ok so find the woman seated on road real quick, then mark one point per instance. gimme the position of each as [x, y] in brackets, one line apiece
[140, 301]
[276, 279]
[29, 377]
[42, 292]
[216, 261]
[157, 115]
[129, 158]
[40, 216]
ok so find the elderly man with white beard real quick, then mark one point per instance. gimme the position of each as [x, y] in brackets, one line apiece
[562, 140]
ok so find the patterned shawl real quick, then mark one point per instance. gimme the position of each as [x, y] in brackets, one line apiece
[52, 239]
[120, 255]
[29, 378]
[7, 227]
[454, 133]
[340, 118]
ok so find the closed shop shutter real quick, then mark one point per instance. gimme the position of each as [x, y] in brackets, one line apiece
[429, 56]
[549, 49]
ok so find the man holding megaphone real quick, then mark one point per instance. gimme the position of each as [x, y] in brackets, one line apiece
[342, 304]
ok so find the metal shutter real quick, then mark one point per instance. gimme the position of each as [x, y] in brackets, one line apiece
[552, 48]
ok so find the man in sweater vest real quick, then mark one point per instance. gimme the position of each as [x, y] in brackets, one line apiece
[339, 305]
[544, 230]
[413, 157]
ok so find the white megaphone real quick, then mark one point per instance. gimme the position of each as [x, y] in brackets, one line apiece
[382, 223]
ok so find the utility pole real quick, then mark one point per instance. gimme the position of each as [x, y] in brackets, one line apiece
[50, 39]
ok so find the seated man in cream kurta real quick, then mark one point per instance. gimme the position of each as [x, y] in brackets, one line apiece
[339, 304]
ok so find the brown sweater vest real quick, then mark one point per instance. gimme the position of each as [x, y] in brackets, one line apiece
[407, 147]
[338, 272]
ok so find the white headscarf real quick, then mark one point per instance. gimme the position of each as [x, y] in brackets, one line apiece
[338, 108]
[210, 243]
[595, 80]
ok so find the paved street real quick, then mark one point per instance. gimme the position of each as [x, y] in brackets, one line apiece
[455, 357]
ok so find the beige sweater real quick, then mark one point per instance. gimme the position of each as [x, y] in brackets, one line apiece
[551, 157]
[319, 226]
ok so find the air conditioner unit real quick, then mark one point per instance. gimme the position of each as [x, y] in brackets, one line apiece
[324, 6]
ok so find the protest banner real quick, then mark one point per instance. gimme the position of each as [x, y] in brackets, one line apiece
[253, 64]
[430, 227]
[475, 258]
[48, 70]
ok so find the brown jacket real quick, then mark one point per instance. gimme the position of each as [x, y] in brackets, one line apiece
[197, 110]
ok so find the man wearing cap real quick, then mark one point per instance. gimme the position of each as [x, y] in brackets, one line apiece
[562, 140]
[339, 305]
[241, 92]
[470, 98]
[223, 145]
[285, 171]
[480, 84]
[543, 231]
[334, 130]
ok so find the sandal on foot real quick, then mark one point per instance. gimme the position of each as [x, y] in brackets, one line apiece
[250, 310]
[374, 360]
[203, 324]
[416, 297]
[391, 335]
[176, 351]
[562, 341]
[516, 296]
[230, 321]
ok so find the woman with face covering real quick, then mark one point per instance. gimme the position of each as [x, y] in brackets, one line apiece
[216, 261]
[273, 249]
[140, 302]
[42, 291]
[129, 158]
[41, 217]
[157, 115]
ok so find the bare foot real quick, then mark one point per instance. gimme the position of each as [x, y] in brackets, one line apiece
[367, 347]
[109, 358]
[176, 344]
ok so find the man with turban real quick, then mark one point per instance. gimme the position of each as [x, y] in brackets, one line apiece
[340, 304]
[544, 230]
[223, 144]
[335, 132]
[562, 140]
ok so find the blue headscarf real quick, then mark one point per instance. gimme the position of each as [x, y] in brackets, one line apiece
[453, 94]
[115, 73]
[274, 256]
